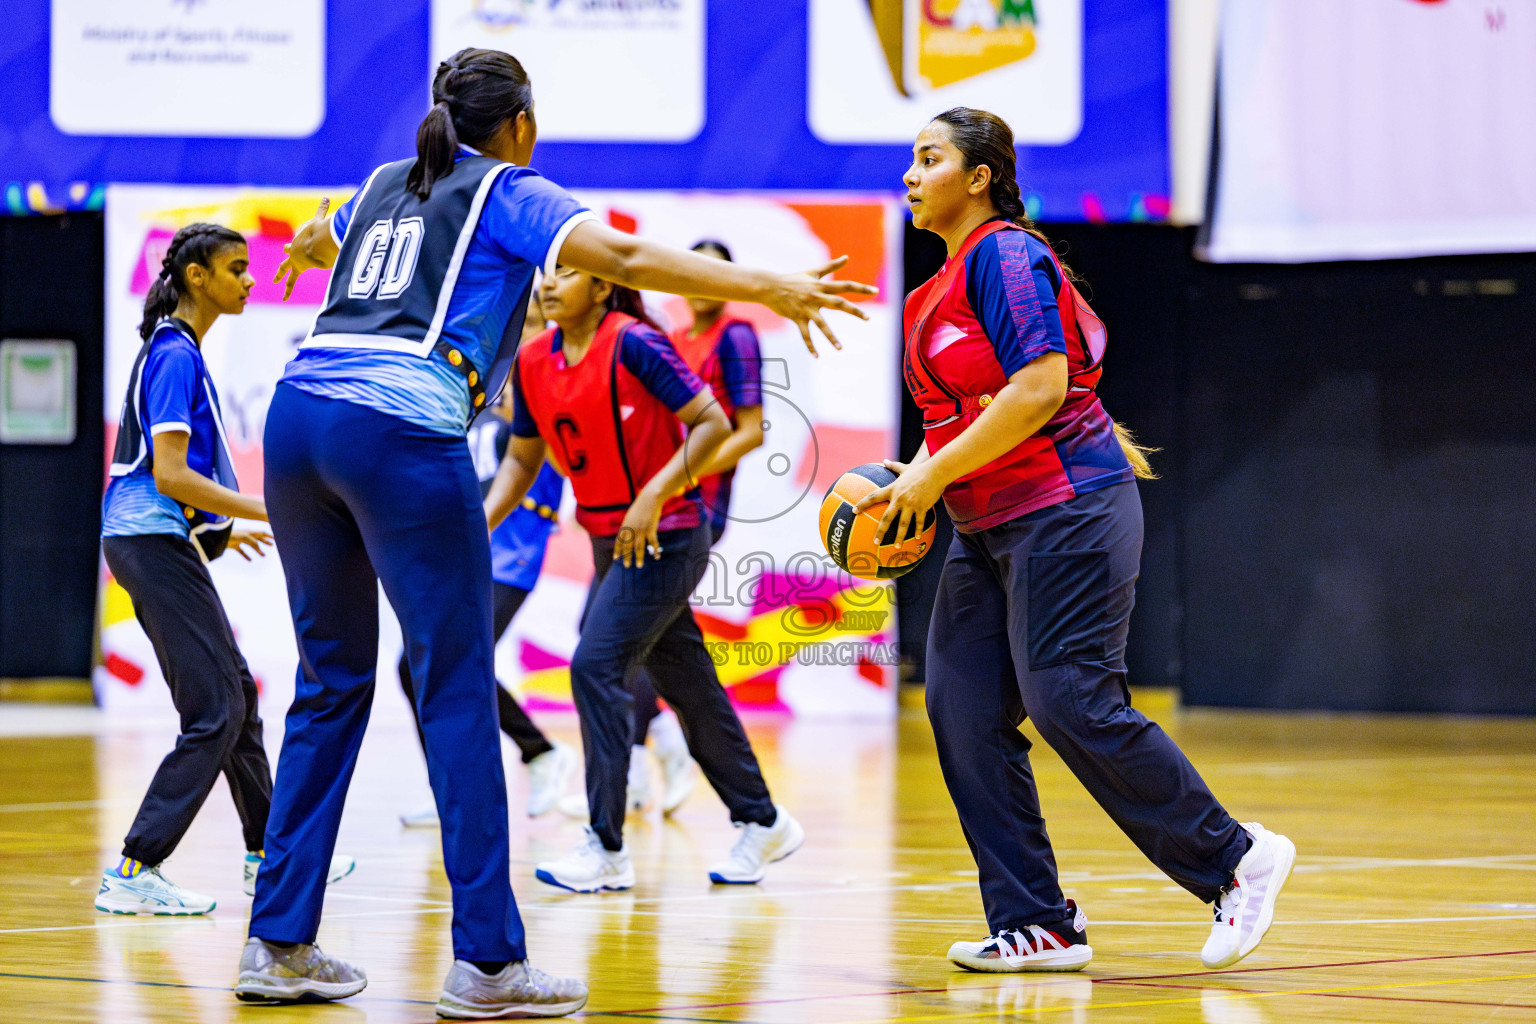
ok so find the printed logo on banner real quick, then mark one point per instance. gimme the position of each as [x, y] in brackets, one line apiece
[880, 69]
[505, 14]
[187, 67]
[602, 70]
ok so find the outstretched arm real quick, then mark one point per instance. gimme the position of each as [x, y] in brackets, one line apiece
[634, 262]
[312, 248]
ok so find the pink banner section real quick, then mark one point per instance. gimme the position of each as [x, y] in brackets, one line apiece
[266, 253]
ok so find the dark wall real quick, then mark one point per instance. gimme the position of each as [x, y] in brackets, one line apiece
[1343, 516]
[51, 272]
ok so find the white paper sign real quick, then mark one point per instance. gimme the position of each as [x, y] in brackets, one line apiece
[880, 70]
[1375, 129]
[602, 70]
[188, 67]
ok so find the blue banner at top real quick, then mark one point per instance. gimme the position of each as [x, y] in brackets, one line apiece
[801, 95]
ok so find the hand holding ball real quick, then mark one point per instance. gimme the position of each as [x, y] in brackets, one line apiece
[850, 538]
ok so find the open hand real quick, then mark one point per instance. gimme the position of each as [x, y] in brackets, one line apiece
[802, 297]
[240, 540]
[914, 491]
[296, 262]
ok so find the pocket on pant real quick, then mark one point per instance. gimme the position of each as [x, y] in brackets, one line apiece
[1068, 607]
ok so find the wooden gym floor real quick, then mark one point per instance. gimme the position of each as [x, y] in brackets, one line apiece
[1414, 898]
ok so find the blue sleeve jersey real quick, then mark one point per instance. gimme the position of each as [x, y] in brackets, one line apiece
[174, 394]
[741, 365]
[647, 354]
[522, 226]
[1017, 310]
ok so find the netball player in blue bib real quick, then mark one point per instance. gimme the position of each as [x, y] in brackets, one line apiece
[170, 509]
[1002, 357]
[369, 479]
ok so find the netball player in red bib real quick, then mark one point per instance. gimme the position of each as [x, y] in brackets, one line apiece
[724, 352]
[1002, 357]
[605, 395]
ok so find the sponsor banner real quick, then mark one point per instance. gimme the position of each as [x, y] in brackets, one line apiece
[1372, 129]
[188, 67]
[787, 633]
[880, 69]
[603, 70]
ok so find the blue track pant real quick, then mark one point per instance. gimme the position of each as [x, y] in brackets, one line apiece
[1031, 620]
[357, 496]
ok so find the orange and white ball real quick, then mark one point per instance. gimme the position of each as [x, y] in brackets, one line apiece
[849, 536]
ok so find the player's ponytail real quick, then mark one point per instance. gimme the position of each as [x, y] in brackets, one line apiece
[195, 243]
[473, 93]
[627, 300]
[984, 139]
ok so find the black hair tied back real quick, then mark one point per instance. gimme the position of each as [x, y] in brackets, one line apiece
[195, 243]
[473, 93]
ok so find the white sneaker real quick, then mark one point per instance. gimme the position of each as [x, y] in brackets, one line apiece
[517, 990]
[300, 973]
[1245, 911]
[759, 846]
[679, 772]
[424, 816]
[341, 867]
[148, 892]
[548, 775]
[637, 793]
[1062, 947]
[590, 867]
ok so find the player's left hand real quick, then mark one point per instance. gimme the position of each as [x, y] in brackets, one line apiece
[638, 532]
[295, 262]
[802, 298]
[240, 540]
[915, 490]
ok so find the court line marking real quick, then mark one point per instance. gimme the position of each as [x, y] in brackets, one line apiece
[1240, 993]
[1189, 999]
[60, 805]
[1130, 977]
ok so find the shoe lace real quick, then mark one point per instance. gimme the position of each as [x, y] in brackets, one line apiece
[1230, 901]
[1032, 939]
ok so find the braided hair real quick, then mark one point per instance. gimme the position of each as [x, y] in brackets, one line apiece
[983, 138]
[473, 92]
[195, 243]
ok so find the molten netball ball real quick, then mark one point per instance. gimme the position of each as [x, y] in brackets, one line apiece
[850, 536]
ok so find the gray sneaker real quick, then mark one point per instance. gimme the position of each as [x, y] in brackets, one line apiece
[300, 973]
[516, 991]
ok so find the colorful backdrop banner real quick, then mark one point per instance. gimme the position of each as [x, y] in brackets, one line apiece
[645, 94]
[787, 632]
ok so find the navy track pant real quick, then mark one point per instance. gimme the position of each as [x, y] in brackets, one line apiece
[357, 496]
[520, 729]
[640, 617]
[211, 686]
[1031, 621]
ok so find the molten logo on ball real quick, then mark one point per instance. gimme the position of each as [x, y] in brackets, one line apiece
[850, 537]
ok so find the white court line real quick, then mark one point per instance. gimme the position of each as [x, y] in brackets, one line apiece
[615, 908]
[62, 805]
